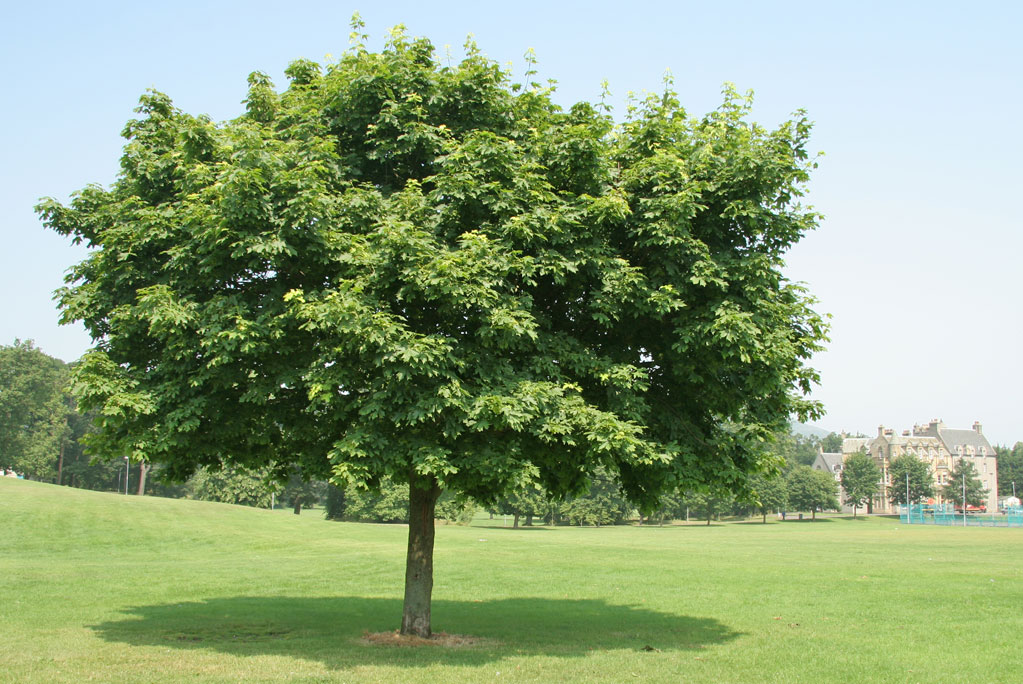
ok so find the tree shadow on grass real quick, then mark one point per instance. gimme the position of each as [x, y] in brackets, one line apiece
[330, 629]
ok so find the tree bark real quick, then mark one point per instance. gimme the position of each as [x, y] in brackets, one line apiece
[60, 465]
[515, 523]
[423, 493]
[143, 469]
[298, 506]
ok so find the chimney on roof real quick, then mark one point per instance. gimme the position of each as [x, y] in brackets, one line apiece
[905, 433]
[976, 427]
[888, 432]
[880, 430]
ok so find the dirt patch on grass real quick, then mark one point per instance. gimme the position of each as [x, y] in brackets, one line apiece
[442, 639]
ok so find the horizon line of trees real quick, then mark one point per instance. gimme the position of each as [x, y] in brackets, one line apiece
[44, 436]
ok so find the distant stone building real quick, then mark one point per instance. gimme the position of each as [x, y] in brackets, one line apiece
[937, 446]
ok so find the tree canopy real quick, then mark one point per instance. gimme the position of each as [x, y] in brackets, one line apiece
[1010, 470]
[810, 489]
[400, 269]
[921, 480]
[861, 479]
[964, 475]
[769, 494]
[35, 410]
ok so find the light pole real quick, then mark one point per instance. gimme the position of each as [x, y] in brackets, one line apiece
[127, 469]
[909, 510]
[964, 497]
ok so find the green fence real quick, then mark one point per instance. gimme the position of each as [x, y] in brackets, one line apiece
[945, 514]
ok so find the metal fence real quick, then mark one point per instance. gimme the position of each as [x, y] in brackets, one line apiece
[945, 514]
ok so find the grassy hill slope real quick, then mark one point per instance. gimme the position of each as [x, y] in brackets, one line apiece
[112, 588]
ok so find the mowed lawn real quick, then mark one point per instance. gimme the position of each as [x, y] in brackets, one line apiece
[102, 587]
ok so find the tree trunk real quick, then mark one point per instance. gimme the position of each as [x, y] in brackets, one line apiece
[854, 510]
[529, 519]
[515, 523]
[765, 516]
[423, 493]
[143, 469]
[298, 506]
[60, 465]
[813, 515]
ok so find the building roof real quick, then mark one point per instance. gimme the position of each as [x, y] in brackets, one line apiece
[830, 460]
[850, 445]
[965, 439]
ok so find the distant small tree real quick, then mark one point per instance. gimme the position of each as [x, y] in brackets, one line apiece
[920, 483]
[299, 492]
[861, 479]
[811, 489]
[526, 499]
[233, 485]
[387, 503]
[335, 507]
[1010, 469]
[964, 473]
[455, 508]
[769, 494]
[603, 503]
[709, 504]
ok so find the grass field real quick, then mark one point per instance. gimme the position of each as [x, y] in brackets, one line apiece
[101, 587]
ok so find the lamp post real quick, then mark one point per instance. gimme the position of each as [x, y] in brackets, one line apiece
[909, 509]
[127, 469]
[964, 498]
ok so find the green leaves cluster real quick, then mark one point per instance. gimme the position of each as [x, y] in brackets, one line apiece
[964, 474]
[909, 468]
[810, 489]
[395, 267]
[1010, 470]
[861, 479]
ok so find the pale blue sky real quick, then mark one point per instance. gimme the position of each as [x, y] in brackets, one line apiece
[916, 107]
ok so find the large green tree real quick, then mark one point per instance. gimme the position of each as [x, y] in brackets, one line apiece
[964, 476]
[397, 268]
[920, 479]
[810, 489]
[35, 411]
[861, 479]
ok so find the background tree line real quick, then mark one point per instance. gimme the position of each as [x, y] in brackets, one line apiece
[43, 436]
